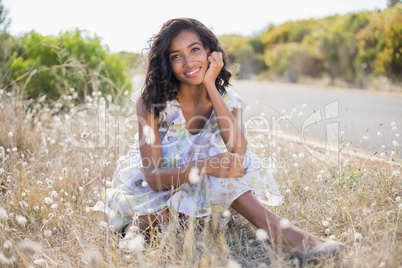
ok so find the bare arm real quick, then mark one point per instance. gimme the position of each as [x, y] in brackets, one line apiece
[230, 123]
[162, 178]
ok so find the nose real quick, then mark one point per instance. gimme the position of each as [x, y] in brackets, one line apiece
[187, 61]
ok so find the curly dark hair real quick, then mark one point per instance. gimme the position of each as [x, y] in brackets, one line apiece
[160, 84]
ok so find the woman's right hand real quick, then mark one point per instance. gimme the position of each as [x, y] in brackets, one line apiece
[225, 165]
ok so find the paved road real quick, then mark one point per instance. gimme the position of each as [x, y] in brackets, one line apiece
[364, 117]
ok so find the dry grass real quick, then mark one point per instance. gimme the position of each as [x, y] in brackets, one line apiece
[48, 185]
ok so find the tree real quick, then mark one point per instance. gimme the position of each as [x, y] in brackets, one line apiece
[392, 3]
[53, 65]
[4, 42]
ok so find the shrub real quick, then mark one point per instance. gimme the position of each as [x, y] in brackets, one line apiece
[53, 65]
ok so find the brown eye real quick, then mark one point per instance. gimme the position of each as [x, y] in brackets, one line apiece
[174, 57]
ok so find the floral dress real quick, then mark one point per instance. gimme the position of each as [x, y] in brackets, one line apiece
[130, 194]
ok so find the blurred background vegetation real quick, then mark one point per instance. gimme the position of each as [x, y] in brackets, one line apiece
[360, 49]
[357, 49]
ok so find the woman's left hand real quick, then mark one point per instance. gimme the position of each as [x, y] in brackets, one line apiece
[215, 60]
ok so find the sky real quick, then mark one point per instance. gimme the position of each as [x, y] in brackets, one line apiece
[126, 25]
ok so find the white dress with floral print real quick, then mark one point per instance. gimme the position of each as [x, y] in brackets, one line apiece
[129, 192]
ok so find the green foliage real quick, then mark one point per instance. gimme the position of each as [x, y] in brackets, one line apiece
[4, 41]
[53, 65]
[246, 53]
[353, 47]
[292, 60]
[389, 60]
[339, 47]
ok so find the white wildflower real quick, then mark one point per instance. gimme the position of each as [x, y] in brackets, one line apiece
[300, 114]
[194, 175]
[398, 199]
[306, 188]
[54, 194]
[47, 233]
[378, 133]
[136, 244]
[304, 105]
[24, 205]
[226, 213]
[64, 171]
[40, 262]
[284, 224]
[29, 248]
[366, 138]
[150, 210]
[7, 244]
[233, 264]
[358, 236]
[103, 224]
[397, 135]
[24, 194]
[325, 223]
[48, 200]
[261, 235]
[144, 184]
[149, 135]
[54, 206]
[3, 214]
[21, 220]
[109, 98]
[84, 134]
[94, 258]
[332, 237]
[327, 231]
[395, 143]
[393, 124]
[48, 164]
[10, 134]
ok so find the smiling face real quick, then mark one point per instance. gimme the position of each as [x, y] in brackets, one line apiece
[188, 58]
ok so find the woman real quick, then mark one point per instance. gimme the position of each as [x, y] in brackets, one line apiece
[192, 152]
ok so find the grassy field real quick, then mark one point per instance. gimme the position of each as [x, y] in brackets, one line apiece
[49, 182]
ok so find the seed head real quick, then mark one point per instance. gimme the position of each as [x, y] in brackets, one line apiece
[3, 214]
[226, 213]
[194, 175]
[29, 248]
[261, 235]
[284, 223]
[21, 220]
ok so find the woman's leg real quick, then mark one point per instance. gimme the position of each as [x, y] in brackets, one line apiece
[145, 222]
[290, 239]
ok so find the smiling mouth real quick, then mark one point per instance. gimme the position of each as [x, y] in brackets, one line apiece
[193, 73]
